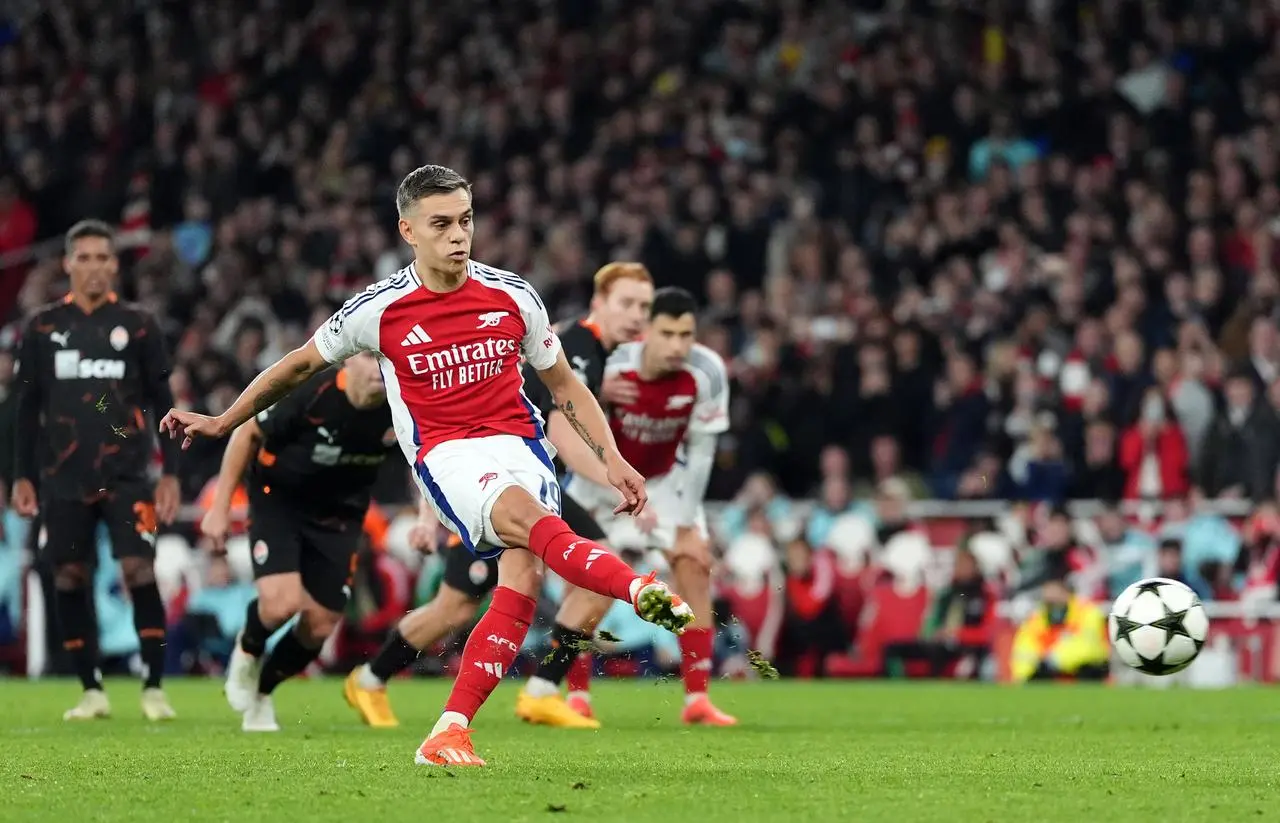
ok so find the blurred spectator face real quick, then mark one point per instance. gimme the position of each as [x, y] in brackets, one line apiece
[1111, 526]
[1169, 559]
[758, 490]
[1262, 339]
[891, 501]
[1239, 394]
[906, 349]
[1056, 596]
[218, 575]
[721, 288]
[1176, 510]
[799, 558]
[1129, 352]
[758, 523]
[364, 379]
[1057, 530]
[1153, 410]
[833, 462]
[91, 263]
[960, 372]
[835, 494]
[966, 568]
[439, 227]
[886, 458]
[1206, 286]
[1099, 443]
[622, 308]
[669, 341]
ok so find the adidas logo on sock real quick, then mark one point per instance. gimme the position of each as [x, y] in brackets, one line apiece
[415, 337]
[494, 669]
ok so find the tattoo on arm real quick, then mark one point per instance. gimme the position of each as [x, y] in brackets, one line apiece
[278, 387]
[569, 414]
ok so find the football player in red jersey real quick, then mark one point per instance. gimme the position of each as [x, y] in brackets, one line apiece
[451, 334]
[668, 431]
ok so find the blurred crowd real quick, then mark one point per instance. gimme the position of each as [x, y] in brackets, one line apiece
[950, 249]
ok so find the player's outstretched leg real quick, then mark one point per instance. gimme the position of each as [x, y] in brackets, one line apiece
[585, 563]
[149, 621]
[244, 667]
[490, 651]
[79, 628]
[697, 645]
[366, 687]
[540, 701]
[291, 655]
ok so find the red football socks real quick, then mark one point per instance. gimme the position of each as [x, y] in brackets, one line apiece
[579, 679]
[581, 562]
[696, 649]
[490, 651]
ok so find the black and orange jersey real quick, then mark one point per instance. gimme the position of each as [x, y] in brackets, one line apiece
[92, 387]
[320, 452]
[586, 354]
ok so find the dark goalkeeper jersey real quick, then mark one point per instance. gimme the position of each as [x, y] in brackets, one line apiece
[321, 453]
[586, 354]
[91, 391]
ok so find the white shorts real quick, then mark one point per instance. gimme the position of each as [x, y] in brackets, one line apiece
[622, 530]
[462, 479]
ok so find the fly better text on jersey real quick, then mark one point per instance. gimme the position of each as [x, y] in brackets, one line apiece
[462, 364]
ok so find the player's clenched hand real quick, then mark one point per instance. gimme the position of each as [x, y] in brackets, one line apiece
[168, 498]
[619, 390]
[422, 537]
[24, 498]
[190, 425]
[215, 525]
[630, 483]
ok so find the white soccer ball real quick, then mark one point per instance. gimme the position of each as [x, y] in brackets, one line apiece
[1158, 626]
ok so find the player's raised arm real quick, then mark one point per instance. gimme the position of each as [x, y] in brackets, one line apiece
[351, 329]
[275, 382]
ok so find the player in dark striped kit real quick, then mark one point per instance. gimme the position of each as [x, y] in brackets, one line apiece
[92, 369]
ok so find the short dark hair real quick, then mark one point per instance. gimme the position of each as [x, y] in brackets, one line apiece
[673, 301]
[425, 181]
[90, 228]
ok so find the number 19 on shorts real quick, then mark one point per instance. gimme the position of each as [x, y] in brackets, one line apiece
[550, 495]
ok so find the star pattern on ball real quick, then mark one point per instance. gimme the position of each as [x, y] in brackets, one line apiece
[1125, 627]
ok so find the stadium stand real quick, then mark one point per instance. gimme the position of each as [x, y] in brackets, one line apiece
[968, 261]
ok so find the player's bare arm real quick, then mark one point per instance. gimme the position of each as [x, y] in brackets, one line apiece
[280, 378]
[155, 367]
[216, 523]
[578, 457]
[582, 412]
[30, 397]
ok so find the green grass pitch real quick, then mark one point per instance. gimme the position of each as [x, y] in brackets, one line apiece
[805, 751]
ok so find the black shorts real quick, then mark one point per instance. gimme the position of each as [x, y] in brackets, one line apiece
[475, 578]
[285, 539]
[469, 574]
[71, 526]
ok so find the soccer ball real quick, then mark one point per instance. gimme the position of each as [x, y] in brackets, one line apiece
[1158, 626]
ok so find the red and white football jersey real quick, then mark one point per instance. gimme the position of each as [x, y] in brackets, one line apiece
[694, 399]
[451, 362]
